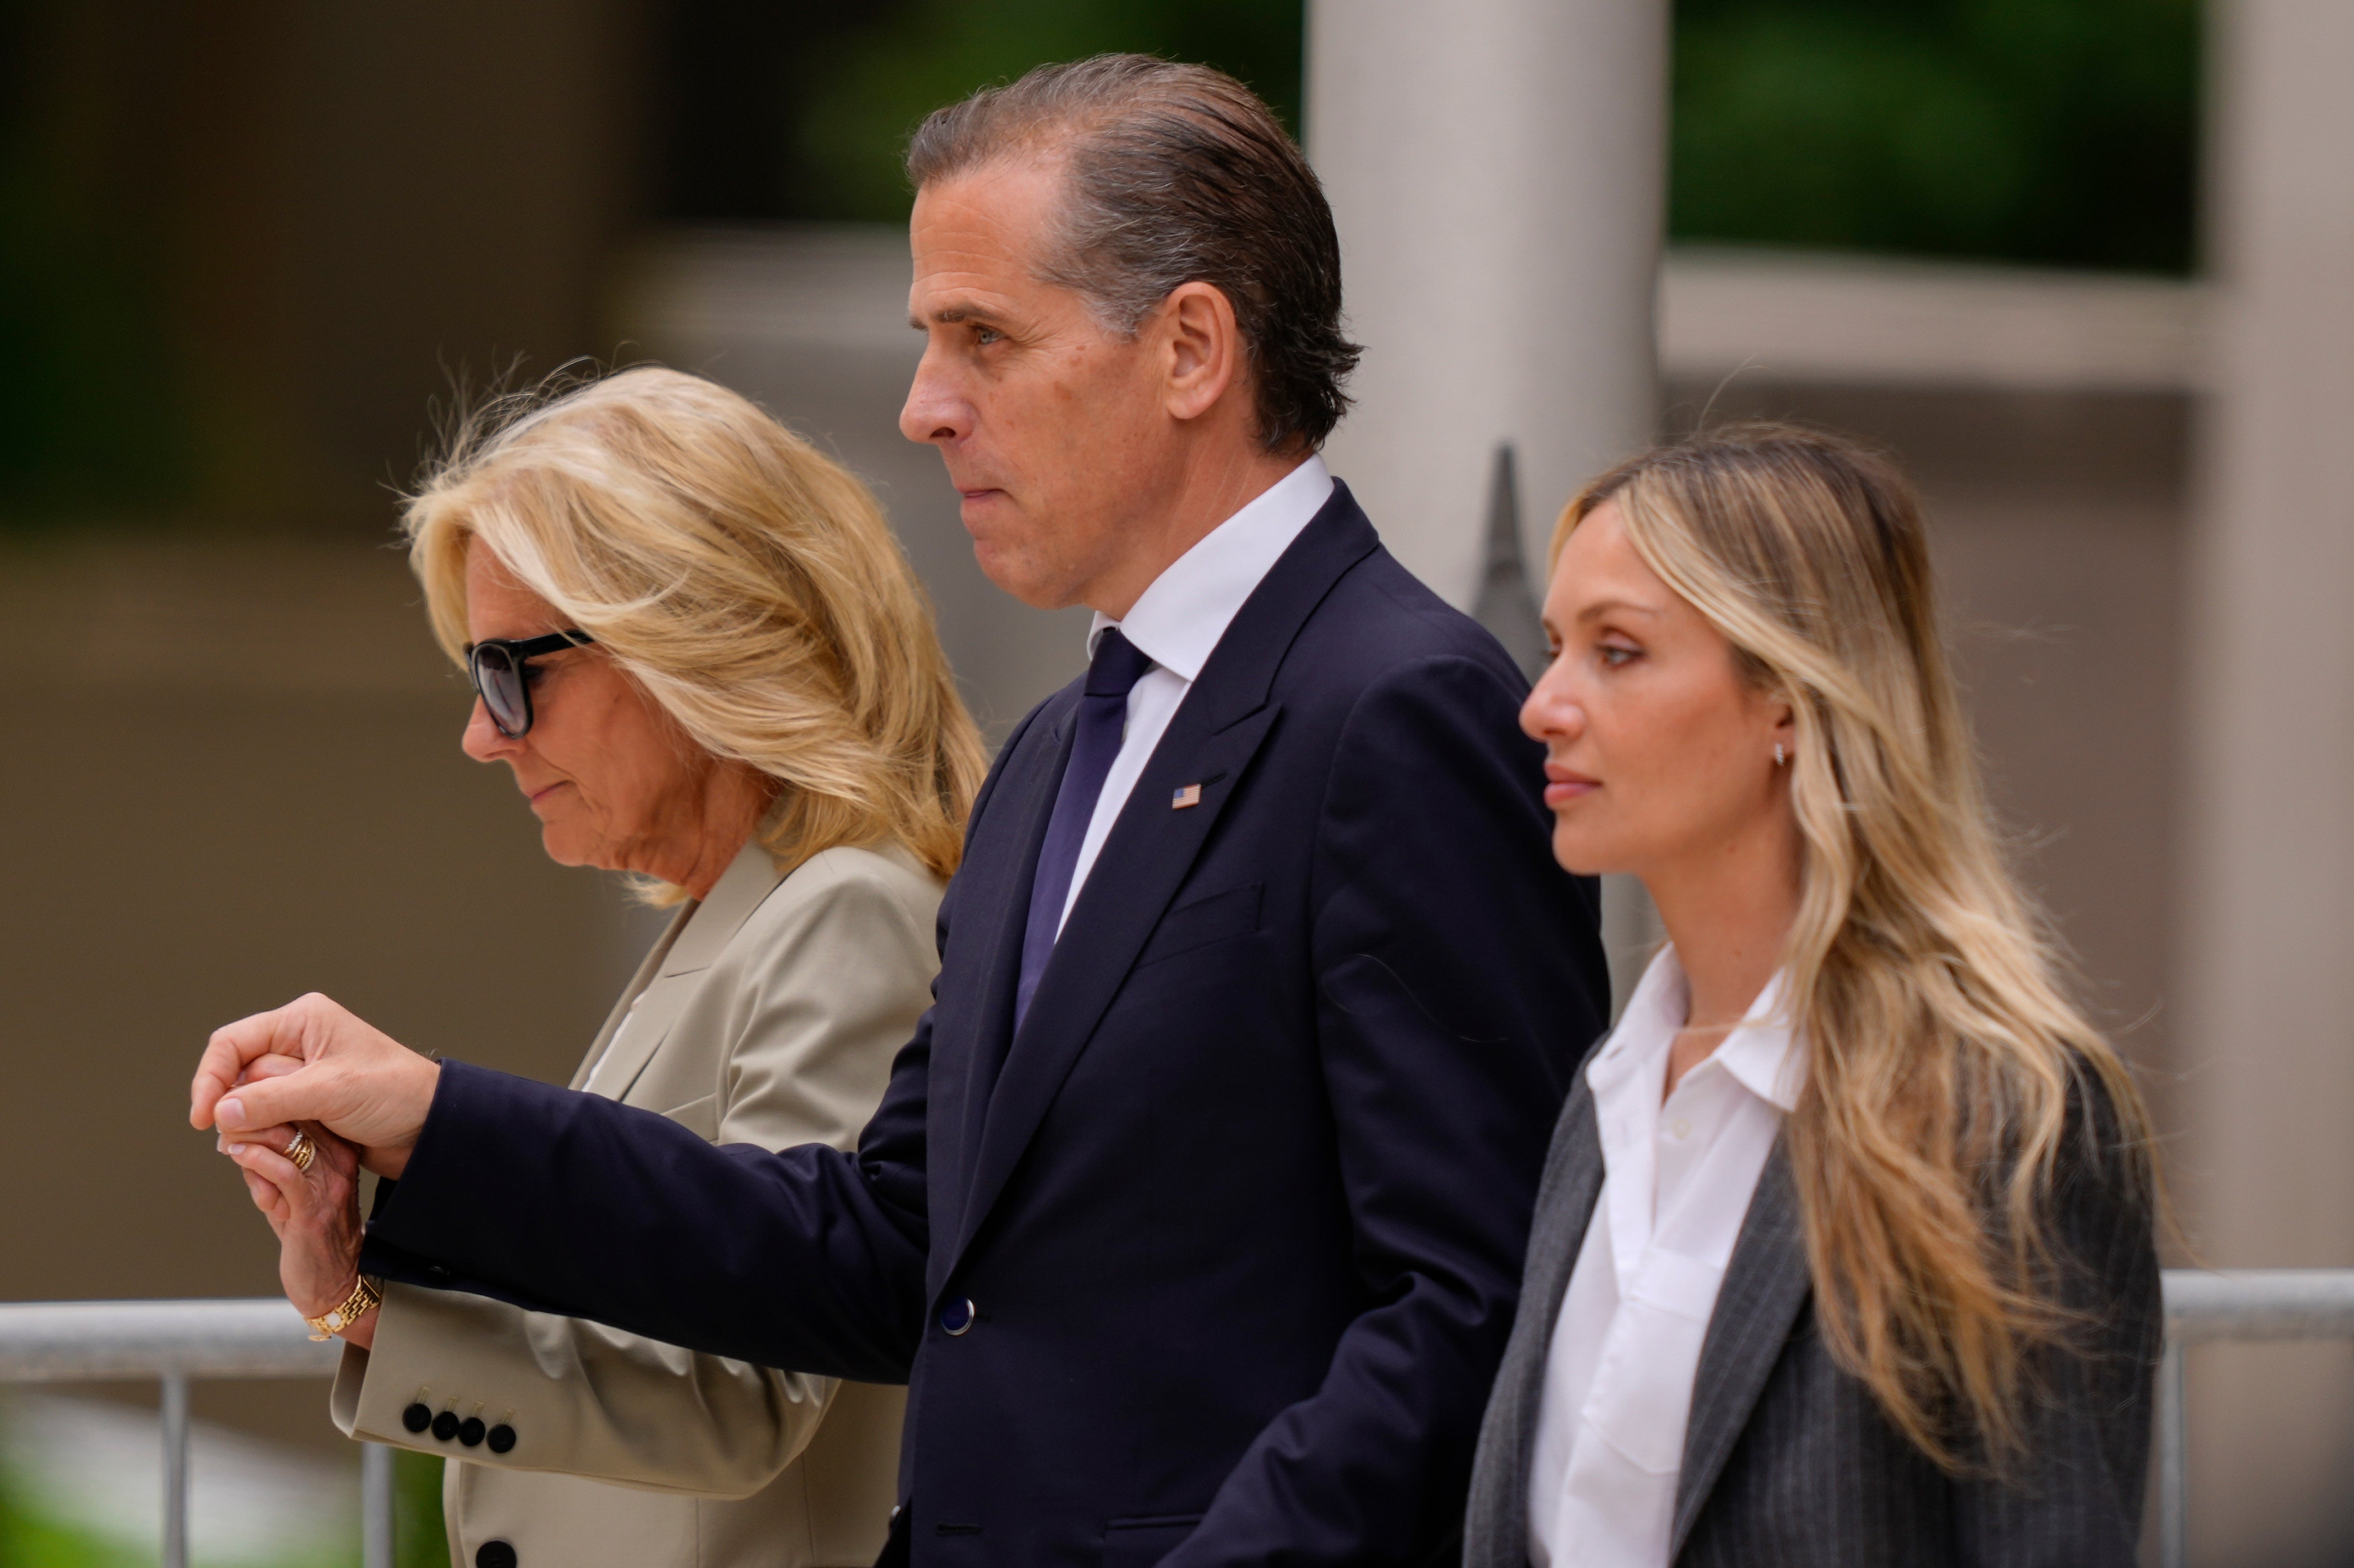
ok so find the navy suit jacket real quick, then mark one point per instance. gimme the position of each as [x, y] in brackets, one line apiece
[1239, 1212]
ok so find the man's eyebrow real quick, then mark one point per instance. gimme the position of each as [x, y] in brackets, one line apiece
[954, 315]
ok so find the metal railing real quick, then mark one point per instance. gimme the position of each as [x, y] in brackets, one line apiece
[174, 1343]
[2247, 1304]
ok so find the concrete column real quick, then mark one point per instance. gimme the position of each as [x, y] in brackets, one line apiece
[2267, 1038]
[1497, 169]
[1497, 172]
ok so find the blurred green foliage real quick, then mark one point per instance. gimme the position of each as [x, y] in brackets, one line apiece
[799, 109]
[2056, 132]
[2048, 132]
[29, 1541]
[92, 409]
[29, 1538]
[939, 50]
[419, 1539]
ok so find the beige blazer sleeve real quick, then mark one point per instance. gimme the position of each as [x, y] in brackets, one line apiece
[784, 1035]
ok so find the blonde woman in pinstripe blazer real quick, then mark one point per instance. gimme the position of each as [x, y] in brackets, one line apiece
[697, 648]
[1844, 1252]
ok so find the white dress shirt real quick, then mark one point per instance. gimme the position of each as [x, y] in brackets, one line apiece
[1676, 1180]
[1177, 622]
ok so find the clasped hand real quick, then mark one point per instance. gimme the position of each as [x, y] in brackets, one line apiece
[359, 1097]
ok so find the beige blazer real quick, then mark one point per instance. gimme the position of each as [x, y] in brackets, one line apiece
[767, 1014]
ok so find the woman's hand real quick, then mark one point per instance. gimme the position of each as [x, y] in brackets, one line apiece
[315, 1213]
[359, 1083]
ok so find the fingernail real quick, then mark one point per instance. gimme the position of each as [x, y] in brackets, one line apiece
[229, 1113]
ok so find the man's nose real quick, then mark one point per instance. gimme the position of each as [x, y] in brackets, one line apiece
[934, 412]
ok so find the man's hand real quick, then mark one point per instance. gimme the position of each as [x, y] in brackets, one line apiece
[360, 1084]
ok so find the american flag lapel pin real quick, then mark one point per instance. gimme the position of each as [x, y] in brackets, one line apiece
[1189, 796]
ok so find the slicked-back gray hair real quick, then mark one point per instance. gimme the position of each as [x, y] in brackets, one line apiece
[1177, 173]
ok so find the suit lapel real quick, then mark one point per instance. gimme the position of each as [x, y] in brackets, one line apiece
[1217, 730]
[997, 874]
[696, 937]
[647, 967]
[1765, 1284]
[1564, 1212]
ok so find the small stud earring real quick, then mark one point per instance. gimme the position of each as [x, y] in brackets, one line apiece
[1780, 758]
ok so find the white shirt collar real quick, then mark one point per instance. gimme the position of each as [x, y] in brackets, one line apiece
[1760, 1052]
[1177, 621]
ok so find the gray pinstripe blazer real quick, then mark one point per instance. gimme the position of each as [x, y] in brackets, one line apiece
[1788, 1459]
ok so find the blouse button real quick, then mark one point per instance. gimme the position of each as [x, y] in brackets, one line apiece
[1682, 1129]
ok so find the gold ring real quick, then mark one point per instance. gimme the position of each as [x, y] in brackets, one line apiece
[301, 1150]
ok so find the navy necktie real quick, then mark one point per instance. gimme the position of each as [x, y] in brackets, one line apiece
[1103, 717]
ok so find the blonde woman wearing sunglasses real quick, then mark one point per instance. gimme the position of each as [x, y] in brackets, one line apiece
[698, 649]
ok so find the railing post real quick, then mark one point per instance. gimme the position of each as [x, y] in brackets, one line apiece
[376, 1505]
[176, 1470]
[2173, 1464]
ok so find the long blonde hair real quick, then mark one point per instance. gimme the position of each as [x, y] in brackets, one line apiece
[1941, 1054]
[747, 580]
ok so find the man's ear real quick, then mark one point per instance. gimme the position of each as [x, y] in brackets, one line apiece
[1201, 348]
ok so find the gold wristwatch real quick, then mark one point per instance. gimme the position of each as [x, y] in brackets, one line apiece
[364, 1300]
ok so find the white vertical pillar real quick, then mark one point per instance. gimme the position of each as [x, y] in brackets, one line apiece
[1497, 172]
[2267, 1043]
[1497, 169]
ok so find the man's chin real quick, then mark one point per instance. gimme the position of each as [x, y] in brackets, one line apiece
[1021, 576]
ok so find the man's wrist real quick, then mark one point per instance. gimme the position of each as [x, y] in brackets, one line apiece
[389, 1159]
[388, 1162]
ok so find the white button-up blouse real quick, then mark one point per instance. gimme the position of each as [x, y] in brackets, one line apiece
[1678, 1177]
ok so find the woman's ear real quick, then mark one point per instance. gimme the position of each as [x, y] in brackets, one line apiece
[1783, 737]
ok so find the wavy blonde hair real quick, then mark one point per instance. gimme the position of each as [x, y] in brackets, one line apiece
[1941, 1054]
[749, 582]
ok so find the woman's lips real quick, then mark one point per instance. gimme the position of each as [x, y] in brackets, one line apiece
[1564, 785]
[537, 796]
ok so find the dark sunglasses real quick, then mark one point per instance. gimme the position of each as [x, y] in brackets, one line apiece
[497, 667]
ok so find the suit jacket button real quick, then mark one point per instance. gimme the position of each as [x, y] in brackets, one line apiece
[956, 1317]
[417, 1416]
[502, 1439]
[445, 1426]
[494, 1554]
[470, 1431]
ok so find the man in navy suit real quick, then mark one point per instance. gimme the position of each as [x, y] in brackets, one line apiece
[1193, 1215]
